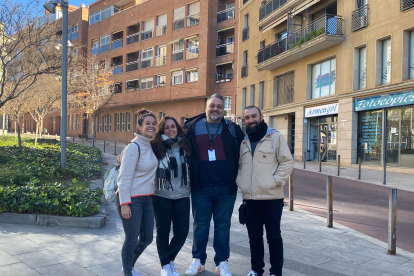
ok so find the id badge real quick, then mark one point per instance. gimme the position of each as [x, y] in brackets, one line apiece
[212, 155]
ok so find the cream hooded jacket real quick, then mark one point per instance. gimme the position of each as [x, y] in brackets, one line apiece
[262, 176]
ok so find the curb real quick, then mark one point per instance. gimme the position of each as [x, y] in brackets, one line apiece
[96, 221]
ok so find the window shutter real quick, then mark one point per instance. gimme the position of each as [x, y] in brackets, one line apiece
[194, 8]
[179, 13]
[162, 20]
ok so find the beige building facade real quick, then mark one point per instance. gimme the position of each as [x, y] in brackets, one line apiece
[334, 77]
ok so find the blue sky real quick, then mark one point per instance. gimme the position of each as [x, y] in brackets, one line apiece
[79, 2]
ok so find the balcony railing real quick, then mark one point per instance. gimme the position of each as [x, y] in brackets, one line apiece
[191, 53]
[132, 66]
[360, 18]
[325, 25]
[146, 34]
[406, 5]
[225, 49]
[117, 69]
[245, 34]
[161, 30]
[225, 15]
[193, 20]
[117, 43]
[269, 7]
[132, 38]
[160, 60]
[178, 24]
[178, 55]
[244, 71]
[146, 63]
[104, 48]
[94, 51]
[74, 35]
[245, 1]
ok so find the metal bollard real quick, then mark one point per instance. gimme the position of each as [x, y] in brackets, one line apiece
[339, 164]
[73, 139]
[304, 159]
[104, 145]
[93, 142]
[291, 192]
[329, 202]
[392, 223]
[320, 163]
[56, 136]
[115, 148]
[359, 168]
[83, 142]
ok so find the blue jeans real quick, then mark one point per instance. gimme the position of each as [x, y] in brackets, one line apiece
[138, 230]
[216, 202]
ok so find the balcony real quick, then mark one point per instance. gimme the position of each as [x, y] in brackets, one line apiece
[316, 36]
[178, 24]
[74, 35]
[405, 5]
[160, 60]
[161, 30]
[117, 43]
[245, 34]
[225, 49]
[104, 48]
[225, 15]
[193, 20]
[146, 63]
[272, 10]
[244, 71]
[132, 38]
[224, 72]
[177, 55]
[146, 34]
[191, 53]
[94, 51]
[117, 69]
[132, 66]
[359, 18]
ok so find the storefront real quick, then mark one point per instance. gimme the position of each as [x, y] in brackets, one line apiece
[389, 115]
[322, 132]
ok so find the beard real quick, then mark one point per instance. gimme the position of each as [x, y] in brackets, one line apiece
[214, 117]
[251, 128]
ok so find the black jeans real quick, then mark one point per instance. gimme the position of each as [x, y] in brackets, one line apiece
[166, 211]
[269, 213]
[141, 224]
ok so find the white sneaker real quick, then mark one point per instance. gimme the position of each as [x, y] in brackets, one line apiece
[195, 268]
[166, 270]
[252, 273]
[173, 270]
[223, 269]
[134, 272]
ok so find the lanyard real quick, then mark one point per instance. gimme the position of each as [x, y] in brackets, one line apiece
[215, 135]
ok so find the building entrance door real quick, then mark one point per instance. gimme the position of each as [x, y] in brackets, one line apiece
[327, 142]
[393, 140]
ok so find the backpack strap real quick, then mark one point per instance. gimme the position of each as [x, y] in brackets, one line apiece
[139, 150]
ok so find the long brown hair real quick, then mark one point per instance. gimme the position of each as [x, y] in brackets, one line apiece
[157, 146]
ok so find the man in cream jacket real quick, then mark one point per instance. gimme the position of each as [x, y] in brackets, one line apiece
[265, 165]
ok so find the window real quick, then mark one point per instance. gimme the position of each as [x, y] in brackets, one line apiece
[75, 32]
[122, 122]
[117, 88]
[74, 122]
[103, 14]
[192, 48]
[95, 47]
[148, 29]
[261, 95]
[227, 106]
[252, 94]
[77, 121]
[105, 43]
[128, 121]
[245, 31]
[229, 73]
[192, 75]
[262, 44]
[193, 14]
[109, 123]
[132, 84]
[361, 76]
[408, 55]
[161, 57]
[243, 107]
[386, 61]
[178, 21]
[105, 120]
[244, 71]
[147, 58]
[146, 83]
[161, 25]
[178, 50]
[160, 80]
[116, 122]
[100, 123]
[283, 89]
[323, 79]
[70, 122]
[411, 56]
[162, 115]
[177, 77]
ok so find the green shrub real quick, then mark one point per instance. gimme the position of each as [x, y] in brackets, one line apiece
[54, 199]
[320, 31]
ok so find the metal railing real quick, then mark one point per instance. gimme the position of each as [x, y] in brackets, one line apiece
[245, 34]
[94, 51]
[325, 25]
[225, 15]
[132, 38]
[225, 49]
[177, 55]
[269, 7]
[104, 48]
[117, 69]
[178, 24]
[244, 71]
[132, 66]
[245, 1]
[406, 5]
[74, 35]
[146, 63]
[360, 18]
[193, 20]
[146, 34]
[161, 30]
[117, 43]
[160, 60]
[191, 53]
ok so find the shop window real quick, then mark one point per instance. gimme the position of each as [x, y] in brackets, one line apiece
[370, 136]
[323, 79]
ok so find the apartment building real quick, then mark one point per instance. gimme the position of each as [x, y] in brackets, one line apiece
[335, 77]
[166, 56]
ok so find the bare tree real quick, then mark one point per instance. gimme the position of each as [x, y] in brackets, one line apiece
[91, 88]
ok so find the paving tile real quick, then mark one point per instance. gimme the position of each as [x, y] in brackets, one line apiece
[19, 229]
[347, 268]
[392, 268]
[41, 259]
[44, 237]
[6, 258]
[21, 247]
[343, 246]
[87, 258]
[107, 269]
[66, 269]
[343, 256]
[66, 247]
[305, 258]
[85, 238]
[302, 245]
[10, 237]
[382, 255]
[104, 246]
[18, 269]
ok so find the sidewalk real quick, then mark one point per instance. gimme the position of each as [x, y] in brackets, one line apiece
[310, 248]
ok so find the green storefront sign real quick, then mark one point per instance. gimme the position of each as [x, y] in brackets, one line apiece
[383, 101]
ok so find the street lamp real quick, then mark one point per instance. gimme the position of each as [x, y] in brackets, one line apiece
[51, 7]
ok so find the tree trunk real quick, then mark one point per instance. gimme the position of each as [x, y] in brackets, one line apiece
[41, 127]
[37, 131]
[94, 128]
[18, 134]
